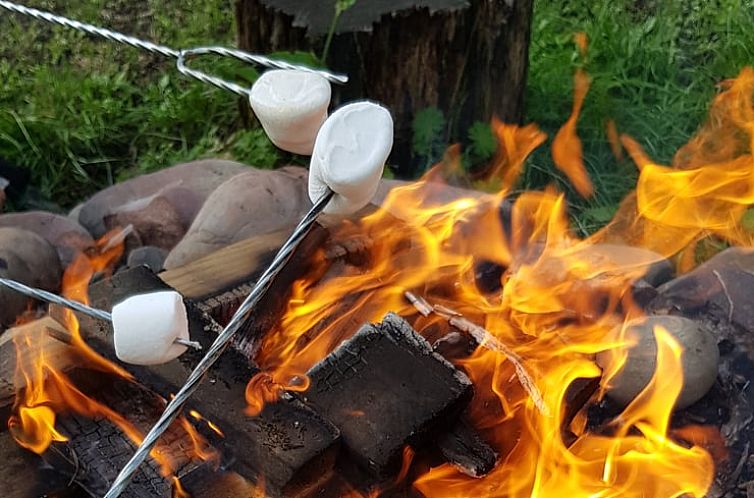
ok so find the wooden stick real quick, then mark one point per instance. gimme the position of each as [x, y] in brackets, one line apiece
[487, 340]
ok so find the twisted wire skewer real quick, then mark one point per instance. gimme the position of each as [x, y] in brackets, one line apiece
[179, 55]
[49, 297]
[218, 347]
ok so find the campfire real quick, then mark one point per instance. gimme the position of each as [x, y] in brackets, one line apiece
[447, 343]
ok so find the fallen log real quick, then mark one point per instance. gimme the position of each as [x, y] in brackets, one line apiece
[226, 268]
[284, 442]
[219, 282]
[384, 389]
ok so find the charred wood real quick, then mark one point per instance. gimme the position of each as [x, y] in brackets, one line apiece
[384, 389]
[465, 449]
[25, 475]
[287, 443]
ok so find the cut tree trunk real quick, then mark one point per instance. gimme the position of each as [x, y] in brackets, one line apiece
[471, 62]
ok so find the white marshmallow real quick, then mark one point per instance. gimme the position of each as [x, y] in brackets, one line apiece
[349, 156]
[146, 326]
[291, 105]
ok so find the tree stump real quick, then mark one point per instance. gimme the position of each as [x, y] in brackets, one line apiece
[467, 58]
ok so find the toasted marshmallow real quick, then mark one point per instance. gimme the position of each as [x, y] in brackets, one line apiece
[291, 105]
[146, 326]
[349, 156]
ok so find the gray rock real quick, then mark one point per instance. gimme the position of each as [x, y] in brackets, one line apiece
[12, 304]
[156, 224]
[185, 186]
[3, 183]
[252, 203]
[40, 257]
[30, 259]
[699, 360]
[149, 256]
[720, 288]
[68, 237]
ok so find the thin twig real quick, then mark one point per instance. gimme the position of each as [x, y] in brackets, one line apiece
[485, 339]
[727, 295]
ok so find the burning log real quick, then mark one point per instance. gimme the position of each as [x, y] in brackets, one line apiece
[288, 444]
[467, 451]
[219, 282]
[24, 475]
[484, 338]
[42, 335]
[384, 389]
[97, 447]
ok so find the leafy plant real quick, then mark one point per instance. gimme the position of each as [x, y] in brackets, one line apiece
[254, 147]
[654, 68]
[340, 7]
[482, 145]
[428, 135]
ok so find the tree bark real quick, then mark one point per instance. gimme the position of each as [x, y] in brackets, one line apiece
[470, 63]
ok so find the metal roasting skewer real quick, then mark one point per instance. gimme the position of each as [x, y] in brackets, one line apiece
[175, 406]
[218, 347]
[179, 55]
[43, 295]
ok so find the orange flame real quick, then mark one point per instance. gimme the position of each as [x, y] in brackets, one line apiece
[566, 147]
[561, 298]
[708, 190]
[48, 391]
[582, 43]
[515, 145]
[198, 417]
[611, 130]
[558, 304]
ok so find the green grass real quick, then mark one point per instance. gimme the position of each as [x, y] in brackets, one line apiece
[654, 67]
[81, 113]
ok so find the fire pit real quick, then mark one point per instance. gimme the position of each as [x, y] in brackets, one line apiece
[440, 345]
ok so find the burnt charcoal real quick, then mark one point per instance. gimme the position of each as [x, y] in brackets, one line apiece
[97, 449]
[384, 389]
[659, 272]
[465, 449]
[288, 443]
[577, 396]
[24, 475]
[488, 276]
[291, 447]
[217, 483]
[455, 345]
[643, 293]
